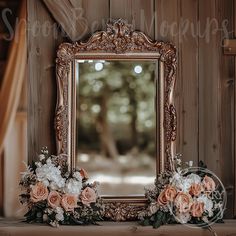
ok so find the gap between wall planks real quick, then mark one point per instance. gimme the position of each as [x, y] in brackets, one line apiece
[216, 98]
[203, 93]
[209, 101]
[226, 10]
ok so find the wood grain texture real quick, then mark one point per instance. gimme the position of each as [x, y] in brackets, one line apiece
[216, 95]
[121, 9]
[226, 122]
[16, 228]
[209, 82]
[41, 80]
[96, 21]
[188, 65]
[205, 89]
[143, 17]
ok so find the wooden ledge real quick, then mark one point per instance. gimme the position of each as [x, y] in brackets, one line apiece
[9, 228]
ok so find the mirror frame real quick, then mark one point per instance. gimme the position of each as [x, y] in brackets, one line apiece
[118, 42]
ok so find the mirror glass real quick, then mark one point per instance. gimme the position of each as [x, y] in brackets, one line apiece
[116, 123]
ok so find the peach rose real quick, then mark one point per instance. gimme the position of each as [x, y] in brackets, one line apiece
[38, 192]
[69, 202]
[183, 202]
[162, 198]
[88, 196]
[195, 189]
[84, 173]
[54, 199]
[209, 183]
[197, 209]
[170, 193]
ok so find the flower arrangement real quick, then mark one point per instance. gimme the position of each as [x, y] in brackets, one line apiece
[55, 196]
[187, 195]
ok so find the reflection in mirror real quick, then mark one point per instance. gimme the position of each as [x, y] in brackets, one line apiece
[116, 124]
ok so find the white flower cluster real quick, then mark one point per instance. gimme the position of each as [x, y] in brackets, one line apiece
[59, 214]
[184, 183]
[49, 175]
[208, 204]
[73, 186]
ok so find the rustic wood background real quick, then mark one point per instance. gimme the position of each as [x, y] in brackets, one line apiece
[205, 88]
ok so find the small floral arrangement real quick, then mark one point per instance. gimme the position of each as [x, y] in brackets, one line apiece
[187, 195]
[55, 196]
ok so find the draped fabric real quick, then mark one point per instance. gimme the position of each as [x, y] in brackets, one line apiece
[13, 77]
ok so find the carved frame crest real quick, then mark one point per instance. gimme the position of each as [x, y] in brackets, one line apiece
[119, 41]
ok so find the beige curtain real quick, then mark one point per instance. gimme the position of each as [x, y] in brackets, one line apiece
[13, 77]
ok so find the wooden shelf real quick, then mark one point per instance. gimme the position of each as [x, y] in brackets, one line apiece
[114, 229]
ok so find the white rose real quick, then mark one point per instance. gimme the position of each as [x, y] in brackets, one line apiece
[153, 208]
[177, 176]
[193, 179]
[73, 186]
[46, 182]
[77, 175]
[183, 218]
[41, 157]
[208, 204]
[38, 164]
[59, 217]
[61, 183]
[45, 217]
[186, 184]
[49, 172]
[53, 186]
[180, 182]
[176, 180]
[59, 210]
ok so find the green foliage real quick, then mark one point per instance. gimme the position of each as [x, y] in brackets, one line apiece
[158, 219]
[35, 213]
[82, 215]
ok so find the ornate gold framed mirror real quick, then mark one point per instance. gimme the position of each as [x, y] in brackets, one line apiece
[115, 112]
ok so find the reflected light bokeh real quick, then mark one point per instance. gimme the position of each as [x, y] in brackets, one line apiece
[116, 126]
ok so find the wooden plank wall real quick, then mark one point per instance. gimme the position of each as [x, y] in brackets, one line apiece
[43, 40]
[205, 77]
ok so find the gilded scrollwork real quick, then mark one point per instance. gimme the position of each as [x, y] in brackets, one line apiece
[64, 57]
[120, 211]
[118, 39]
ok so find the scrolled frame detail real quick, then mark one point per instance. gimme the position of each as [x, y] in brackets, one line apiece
[119, 41]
